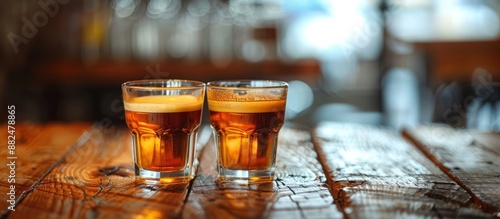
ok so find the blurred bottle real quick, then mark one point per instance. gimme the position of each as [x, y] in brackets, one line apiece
[196, 20]
[145, 33]
[221, 39]
[123, 14]
[168, 12]
[401, 98]
[95, 23]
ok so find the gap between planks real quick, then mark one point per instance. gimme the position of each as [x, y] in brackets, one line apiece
[421, 147]
[348, 182]
[329, 179]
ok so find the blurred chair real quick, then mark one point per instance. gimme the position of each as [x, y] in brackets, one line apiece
[472, 105]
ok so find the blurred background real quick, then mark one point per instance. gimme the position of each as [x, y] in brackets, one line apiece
[395, 63]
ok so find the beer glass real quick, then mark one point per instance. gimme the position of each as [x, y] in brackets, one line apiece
[163, 116]
[246, 117]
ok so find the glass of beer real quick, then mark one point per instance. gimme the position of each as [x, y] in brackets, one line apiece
[246, 117]
[164, 117]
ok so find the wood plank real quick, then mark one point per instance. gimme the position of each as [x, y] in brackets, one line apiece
[491, 141]
[97, 180]
[36, 152]
[471, 159]
[299, 190]
[375, 173]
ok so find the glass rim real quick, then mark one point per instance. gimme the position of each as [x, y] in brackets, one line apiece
[155, 84]
[275, 84]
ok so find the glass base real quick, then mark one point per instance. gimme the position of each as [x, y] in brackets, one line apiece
[245, 176]
[182, 176]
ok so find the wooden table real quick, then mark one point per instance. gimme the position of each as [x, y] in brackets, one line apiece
[333, 170]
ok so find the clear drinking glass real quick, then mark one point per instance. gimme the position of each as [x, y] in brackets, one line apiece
[246, 117]
[164, 117]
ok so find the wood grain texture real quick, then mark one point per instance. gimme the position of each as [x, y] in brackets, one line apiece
[299, 190]
[471, 159]
[37, 151]
[374, 173]
[369, 172]
[96, 180]
[490, 141]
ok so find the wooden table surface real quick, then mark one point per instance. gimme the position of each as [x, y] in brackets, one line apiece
[80, 170]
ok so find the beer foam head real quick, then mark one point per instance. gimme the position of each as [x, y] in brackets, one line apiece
[245, 95]
[265, 96]
[163, 104]
[245, 100]
[247, 106]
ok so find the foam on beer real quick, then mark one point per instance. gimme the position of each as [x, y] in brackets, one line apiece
[247, 106]
[245, 101]
[163, 104]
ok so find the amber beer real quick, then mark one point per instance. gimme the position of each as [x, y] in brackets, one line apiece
[247, 135]
[163, 130]
[161, 127]
[246, 127]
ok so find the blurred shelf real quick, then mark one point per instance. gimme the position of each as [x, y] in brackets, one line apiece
[112, 73]
[457, 60]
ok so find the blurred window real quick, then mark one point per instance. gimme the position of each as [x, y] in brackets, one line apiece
[340, 34]
[444, 19]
